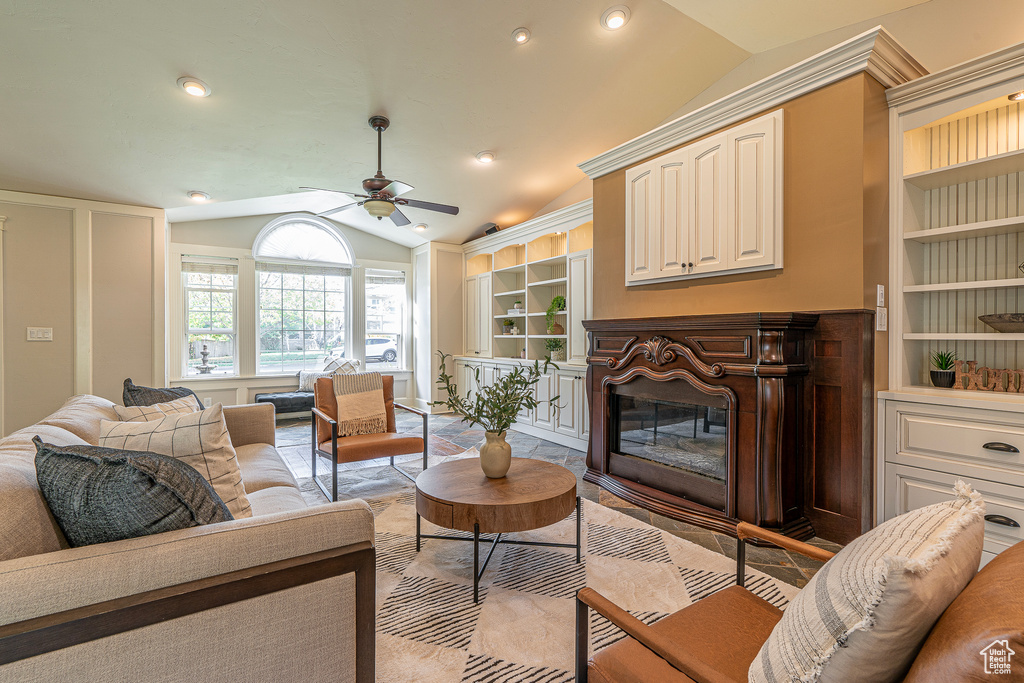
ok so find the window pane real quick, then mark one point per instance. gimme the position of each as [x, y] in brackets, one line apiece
[210, 321]
[222, 301]
[221, 354]
[291, 281]
[385, 320]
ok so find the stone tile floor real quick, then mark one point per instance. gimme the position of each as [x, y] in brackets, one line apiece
[449, 436]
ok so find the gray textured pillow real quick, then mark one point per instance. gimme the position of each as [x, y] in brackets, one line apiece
[103, 494]
[134, 395]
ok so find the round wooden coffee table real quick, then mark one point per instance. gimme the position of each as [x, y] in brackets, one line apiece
[457, 495]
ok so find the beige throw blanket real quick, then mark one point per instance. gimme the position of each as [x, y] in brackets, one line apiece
[360, 404]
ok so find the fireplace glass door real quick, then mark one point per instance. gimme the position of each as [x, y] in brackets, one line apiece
[673, 437]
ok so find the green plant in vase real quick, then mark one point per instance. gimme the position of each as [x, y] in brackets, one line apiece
[506, 325]
[944, 374]
[557, 304]
[494, 407]
[555, 349]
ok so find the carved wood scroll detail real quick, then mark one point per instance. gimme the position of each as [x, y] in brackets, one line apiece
[660, 351]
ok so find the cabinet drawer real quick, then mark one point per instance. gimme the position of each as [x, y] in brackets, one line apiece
[910, 488]
[992, 443]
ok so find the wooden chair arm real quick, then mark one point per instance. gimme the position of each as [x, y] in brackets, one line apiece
[745, 530]
[656, 642]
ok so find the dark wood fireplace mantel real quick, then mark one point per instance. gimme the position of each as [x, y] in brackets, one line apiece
[755, 364]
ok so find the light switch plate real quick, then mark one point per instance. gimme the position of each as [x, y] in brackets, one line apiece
[881, 296]
[39, 334]
[881, 319]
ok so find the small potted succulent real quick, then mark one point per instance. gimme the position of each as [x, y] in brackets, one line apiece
[555, 349]
[518, 305]
[506, 325]
[494, 407]
[944, 374]
[557, 304]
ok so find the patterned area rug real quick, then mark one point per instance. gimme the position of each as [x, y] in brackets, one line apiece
[428, 628]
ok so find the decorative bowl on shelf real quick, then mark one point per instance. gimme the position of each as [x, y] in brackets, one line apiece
[1004, 322]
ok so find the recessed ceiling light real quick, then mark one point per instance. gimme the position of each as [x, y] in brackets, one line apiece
[197, 196]
[615, 17]
[485, 157]
[194, 86]
[419, 227]
[1016, 97]
[520, 35]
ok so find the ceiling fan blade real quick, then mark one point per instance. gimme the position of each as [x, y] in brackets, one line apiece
[339, 209]
[397, 187]
[399, 218]
[350, 194]
[430, 206]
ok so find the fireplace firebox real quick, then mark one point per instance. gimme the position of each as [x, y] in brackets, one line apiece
[699, 418]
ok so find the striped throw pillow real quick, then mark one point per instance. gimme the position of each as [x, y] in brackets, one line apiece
[865, 614]
[198, 439]
[158, 411]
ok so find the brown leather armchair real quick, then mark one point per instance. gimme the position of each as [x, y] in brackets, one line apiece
[328, 444]
[714, 640]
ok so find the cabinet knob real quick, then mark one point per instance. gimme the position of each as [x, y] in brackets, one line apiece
[689, 265]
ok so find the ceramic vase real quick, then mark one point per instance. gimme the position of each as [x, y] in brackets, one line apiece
[943, 378]
[495, 455]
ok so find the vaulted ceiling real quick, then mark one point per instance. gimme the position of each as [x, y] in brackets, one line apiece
[89, 105]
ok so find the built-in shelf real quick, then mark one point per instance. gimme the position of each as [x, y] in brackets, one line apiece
[964, 336]
[510, 336]
[513, 292]
[522, 360]
[554, 260]
[510, 269]
[547, 283]
[541, 314]
[549, 336]
[510, 315]
[954, 174]
[1000, 226]
[964, 286]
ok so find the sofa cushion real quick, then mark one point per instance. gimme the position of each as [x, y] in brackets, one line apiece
[102, 494]
[864, 615]
[81, 415]
[26, 525]
[276, 499]
[135, 395]
[989, 611]
[262, 467]
[157, 411]
[200, 439]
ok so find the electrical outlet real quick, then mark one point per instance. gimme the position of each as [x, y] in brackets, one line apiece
[207, 402]
[39, 334]
[881, 319]
[881, 296]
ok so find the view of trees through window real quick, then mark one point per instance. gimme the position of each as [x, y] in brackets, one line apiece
[385, 315]
[210, 320]
[302, 318]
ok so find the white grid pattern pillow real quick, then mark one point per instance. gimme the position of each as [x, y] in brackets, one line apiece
[158, 411]
[199, 439]
[864, 615]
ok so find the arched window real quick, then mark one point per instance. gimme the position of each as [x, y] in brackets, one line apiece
[304, 268]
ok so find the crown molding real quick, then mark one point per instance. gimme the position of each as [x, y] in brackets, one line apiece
[876, 52]
[574, 214]
[992, 68]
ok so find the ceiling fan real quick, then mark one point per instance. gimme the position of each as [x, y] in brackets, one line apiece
[382, 195]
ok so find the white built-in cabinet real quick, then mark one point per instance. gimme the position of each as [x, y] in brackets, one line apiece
[478, 315]
[710, 208]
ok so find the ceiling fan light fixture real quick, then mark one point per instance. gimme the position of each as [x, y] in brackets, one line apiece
[615, 17]
[194, 86]
[485, 157]
[379, 208]
[198, 196]
[1016, 97]
[521, 35]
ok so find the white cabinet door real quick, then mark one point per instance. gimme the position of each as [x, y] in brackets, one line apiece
[566, 416]
[754, 208]
[544, 413]
[581, 305]
[472, 316]
[707, 198]
[485, 317]
[640, 222]
[672, 214]
[488, 373]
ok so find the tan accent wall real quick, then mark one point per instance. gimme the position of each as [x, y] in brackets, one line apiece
[123, 303]
[38, 270]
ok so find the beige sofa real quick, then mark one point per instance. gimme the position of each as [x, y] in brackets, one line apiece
[287, 595]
